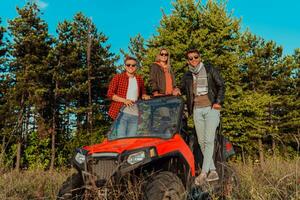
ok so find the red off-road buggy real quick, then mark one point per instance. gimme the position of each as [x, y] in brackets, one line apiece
[161, 153]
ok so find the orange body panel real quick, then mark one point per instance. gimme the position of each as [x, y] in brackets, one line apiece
[163, 147]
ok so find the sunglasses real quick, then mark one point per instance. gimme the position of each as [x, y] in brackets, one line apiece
[130, 65]
[164, 54]
[193, 57]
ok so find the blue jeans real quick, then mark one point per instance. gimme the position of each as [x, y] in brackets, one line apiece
[128, 125]
[206, 121]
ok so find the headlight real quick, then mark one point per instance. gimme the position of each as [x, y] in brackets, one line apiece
[80, 158]
[136, 157]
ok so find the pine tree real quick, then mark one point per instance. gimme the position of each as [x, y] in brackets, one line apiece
[287, 88]
[251, 66]
[3, 48]
[83, 61]
[5, 82]
[29, 50]
[207, 28]
[136, 48]
[261, 63]
[267, 72]
[216, 34]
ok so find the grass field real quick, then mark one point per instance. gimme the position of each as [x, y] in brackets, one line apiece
[277, 179]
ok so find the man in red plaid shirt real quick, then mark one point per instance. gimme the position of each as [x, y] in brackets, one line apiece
[125, 89]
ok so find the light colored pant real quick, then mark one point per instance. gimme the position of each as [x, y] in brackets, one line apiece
[206, 121]
[128, 125]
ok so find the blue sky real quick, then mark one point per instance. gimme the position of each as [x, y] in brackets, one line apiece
[121, 19]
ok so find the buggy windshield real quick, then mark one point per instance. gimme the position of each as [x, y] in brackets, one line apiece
[158, 117]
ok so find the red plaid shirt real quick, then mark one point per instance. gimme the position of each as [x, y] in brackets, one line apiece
[118, 86]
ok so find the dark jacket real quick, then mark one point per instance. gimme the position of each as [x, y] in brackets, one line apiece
[157, 79]
[216, 87]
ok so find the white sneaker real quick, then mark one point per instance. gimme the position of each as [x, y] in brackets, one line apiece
[200, 180]
[212, 176]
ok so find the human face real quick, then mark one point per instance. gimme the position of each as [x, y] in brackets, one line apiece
[130, 67]
[163, 56]
[193, 59]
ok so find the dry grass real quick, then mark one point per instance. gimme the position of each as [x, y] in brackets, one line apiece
[131, 189]
[31, 184]
[279, 179]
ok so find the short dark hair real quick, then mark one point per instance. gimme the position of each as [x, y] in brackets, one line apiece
[192, 51]
[130, 58]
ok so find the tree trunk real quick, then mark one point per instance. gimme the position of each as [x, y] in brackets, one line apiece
[34, 126]
[271, 124]
[3, 144]
[18, 155]
[52, 149]
[261, 152]
[90, 109]
[243, 156]
[273, 146]
[2, 153]
[53, 132]
[20, 126]
[26, 128]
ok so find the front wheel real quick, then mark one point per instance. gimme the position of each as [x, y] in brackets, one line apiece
[164, 186]
[72, 188]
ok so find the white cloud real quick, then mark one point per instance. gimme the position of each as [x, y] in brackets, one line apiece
[41, 4]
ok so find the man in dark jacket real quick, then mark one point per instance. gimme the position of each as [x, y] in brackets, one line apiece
[204, 89]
